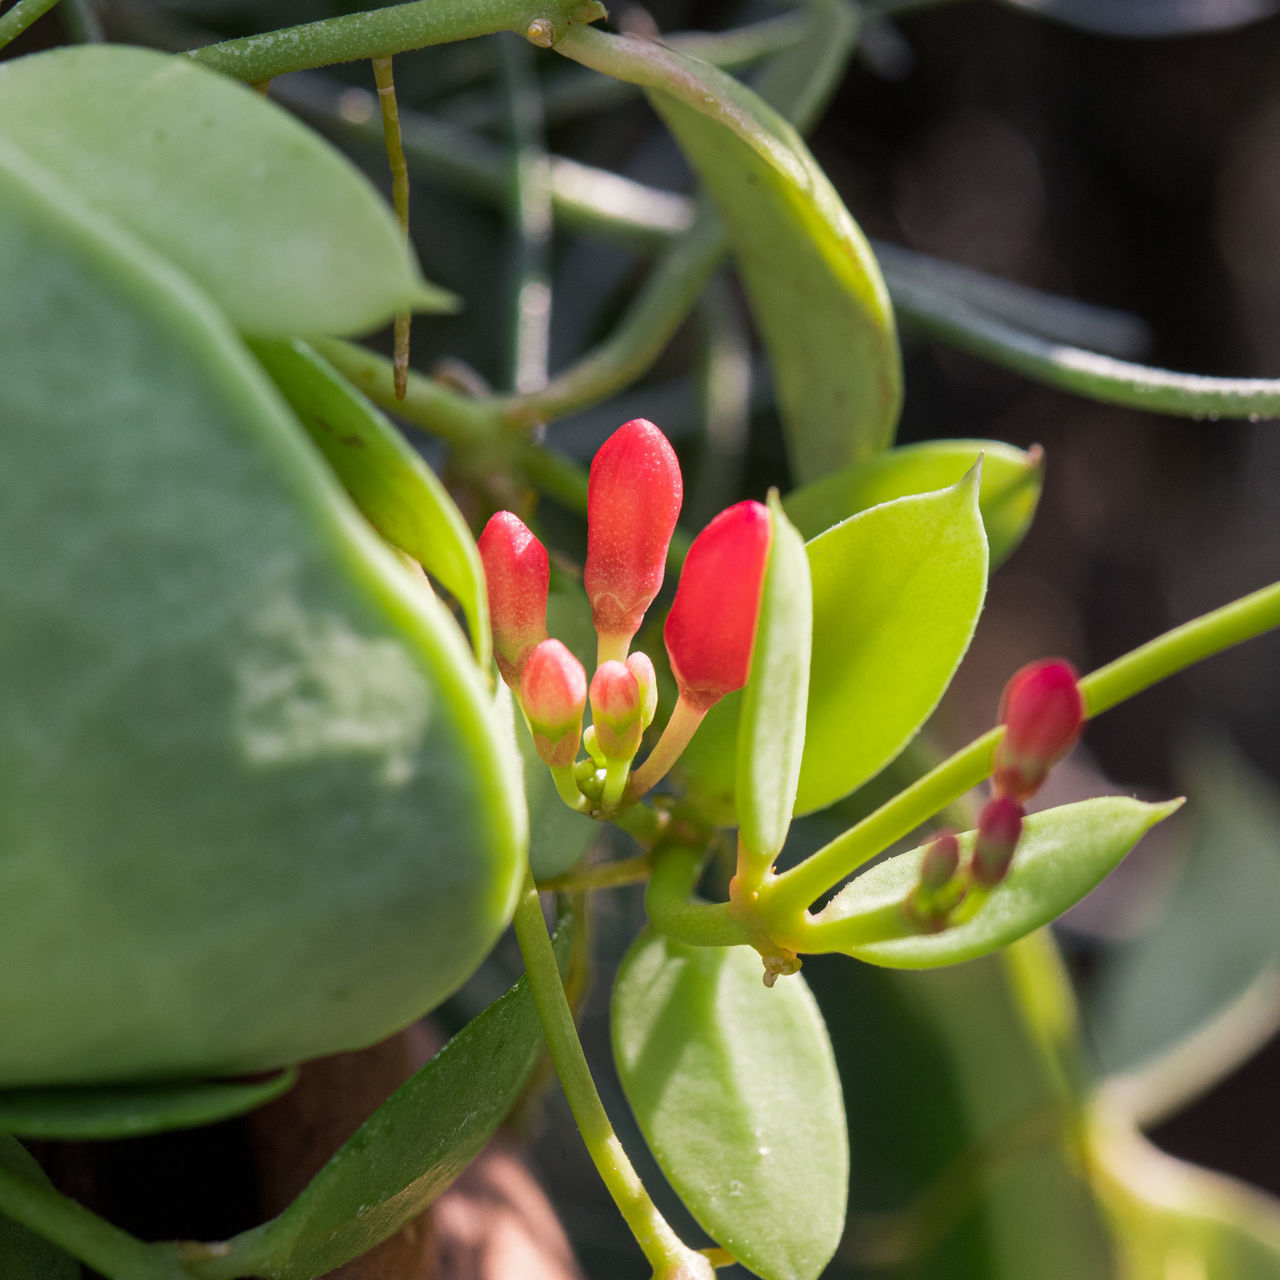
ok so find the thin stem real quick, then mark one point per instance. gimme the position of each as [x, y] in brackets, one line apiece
[567, 786]
[683, 724]
[385, 79]
[605, 875]
[379, 33]
[81, 22]
[20, 17]
[671, 906]
[660, 1244]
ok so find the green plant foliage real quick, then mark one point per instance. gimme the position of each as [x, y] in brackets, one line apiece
[774, 702]
[23, 1254]
[385, 476]
[126, 1111]
[280, 230]
[735, 1089]
[224, 706]
[409, 1150]
[1011, 483]
[896, 595]
[1063, 854]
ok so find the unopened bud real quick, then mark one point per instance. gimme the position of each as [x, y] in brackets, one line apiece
[1042, 712]
[941, 861]
[640, 666]
[999, 830]
[517, 577]
[553, 693]
[711, 629]
[615, 710]
[633, 499]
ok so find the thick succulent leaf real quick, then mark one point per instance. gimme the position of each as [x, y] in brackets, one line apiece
[127, 1111]
[409, 1150]
[245, 762]
[279, 229]
[1063, 854]
[1151, 17]
[385, 476]
[23, 1254]
[814, 287]
[1011, 483]
[896, 595]
[775, 700]
[735, 1089]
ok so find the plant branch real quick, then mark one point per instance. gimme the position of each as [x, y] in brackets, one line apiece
[673, 909]
[20, 17]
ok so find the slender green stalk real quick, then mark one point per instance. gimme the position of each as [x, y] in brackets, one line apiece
[666, 1253]
[389, 109]
[20, 17]
[81, 22]
[683, 724]
[605, 875]
[379, 33]
[670, 905]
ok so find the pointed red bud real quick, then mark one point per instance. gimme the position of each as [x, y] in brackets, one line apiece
[615, 710]
[711, 629]
[633, 499]
[517, 577]
[1042, 712]
[640, 666]
[553, 693]
[999, 830]
[941, 861]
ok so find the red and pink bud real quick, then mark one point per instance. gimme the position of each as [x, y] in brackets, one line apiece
[633, 499]
[616, 709]
[1042, 712]
[940, 862]
[641, 666]
[517, 576]
[999, 830]
[711, 629]
[553, 693]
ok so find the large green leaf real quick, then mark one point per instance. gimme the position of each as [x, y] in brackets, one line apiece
[277, 227]
[1011, 483]
[815, 290]
[896, 595]
[385, 476]
[23, 1254]
[735, 1089]
[256, 806]
[1063, 854]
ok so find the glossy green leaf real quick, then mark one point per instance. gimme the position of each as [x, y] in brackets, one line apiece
[409, 1150]
[814, 287]
[896, 595]
[1149, 18]
[385, 476]
[1063, 854]
[245, 762]
[23, 1254]
[280, 230]
[127, 1111]
[775, 700]
[1011, 483]
[735, 1089]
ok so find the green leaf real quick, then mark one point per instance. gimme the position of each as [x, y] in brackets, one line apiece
[127, 1111]
[409, 1150]
[896, 595]
[247, 765]
[774, 702]
[23, 1254]
[735, 1089]
[1150, 18]
[385, 476]
[1063, 854]
[278, 228]
[1011, 483]
[814, 287]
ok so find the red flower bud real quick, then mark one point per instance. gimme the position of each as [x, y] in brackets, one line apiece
[999, 830]
[711, 629]
[633, 499]
[553, 693]
[615, 710]
[1042, 711]
[641, 666]
[517, 576]
[941, 861]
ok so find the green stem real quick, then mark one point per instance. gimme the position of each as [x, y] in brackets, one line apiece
[661, 1246]
[384, 77]
[670, 905]
[605, 875]
[683, 724]
[20, 17]
[379, 33]
[567, 786]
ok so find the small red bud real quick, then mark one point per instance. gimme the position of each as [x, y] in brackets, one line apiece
[633, 499]
[615, 710]
[999, 830]
[553, 693]
[941, 861]
[1042, 711]
[640, 666]
[517, 576]
[711, 629]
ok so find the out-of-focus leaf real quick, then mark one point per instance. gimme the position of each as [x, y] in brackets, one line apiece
[23, 1254]
[896, 595]
[1151, 17]
[774, 702]
[126, 1111]
[280, 230]
[1063, 854]
[1011, 483]
[385, 476]
[735, 1089]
